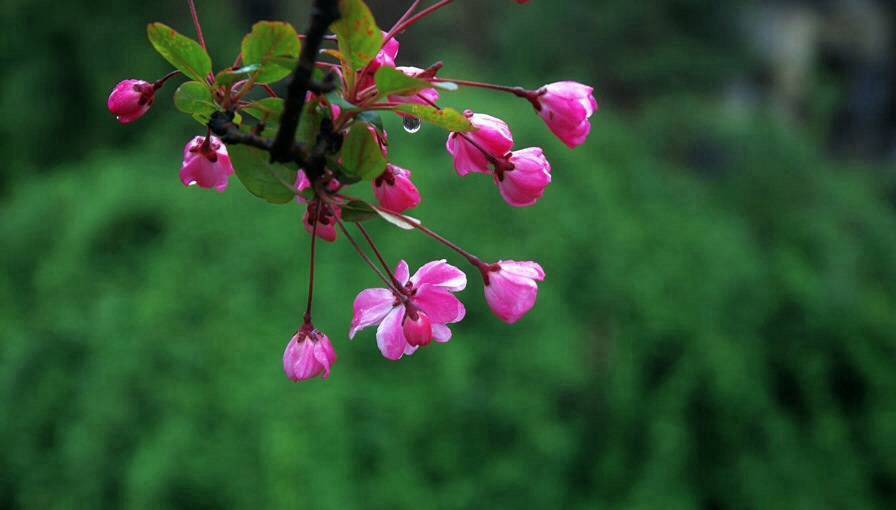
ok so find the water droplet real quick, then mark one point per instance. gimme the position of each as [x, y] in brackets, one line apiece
[411, 124]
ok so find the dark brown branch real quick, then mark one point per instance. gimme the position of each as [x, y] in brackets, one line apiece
[323, 14]
[222, 125]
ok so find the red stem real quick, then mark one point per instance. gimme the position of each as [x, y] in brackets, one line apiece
[365, 257]
[161, 81]
[404, 17]
[196, 24]
[379, 256]
[417, 17]
[313, 254]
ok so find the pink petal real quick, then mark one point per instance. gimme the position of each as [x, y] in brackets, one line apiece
[510, 297]
[401, 272]
[371, 306]
[441, 333]
[441, 274]
[439, 304]
[527, 269]
[390, 337]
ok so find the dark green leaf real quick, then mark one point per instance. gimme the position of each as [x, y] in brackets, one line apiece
[358, 211]
[392, 82]
[359, 37]
[446, 118]
[361, 153]
[274, 46]
[373, 118]
[183, 53]
[272, 182]
[228, 77]
[267, 110]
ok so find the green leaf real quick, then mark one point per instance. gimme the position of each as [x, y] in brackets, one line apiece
[274, 46]
[398, 221]
[446, 118]
[360, 39]
[272, 182]
[267, 110]
[183, 53]
[194, 97]
[358, 211]
[309, 126]
[228, 77]
[361, 153]
[392, 82]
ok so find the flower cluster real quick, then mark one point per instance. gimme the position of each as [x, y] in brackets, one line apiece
[326, 136]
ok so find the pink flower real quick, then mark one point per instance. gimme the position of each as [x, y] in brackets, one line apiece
[566, 107]
[525, 184]
[425, 97]
[130, 100]
[418, 315]
[492, 135]
[308, 354]
[384, 58]
[326, 220]
[206, 164]
[395, 191]
[511, 288]
[302, 184]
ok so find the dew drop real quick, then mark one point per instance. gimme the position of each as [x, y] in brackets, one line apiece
[411, 124]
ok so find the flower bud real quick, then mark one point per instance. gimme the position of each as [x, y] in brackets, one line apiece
[492, 136]
[426, 97]
[206, 164]
[308, 354]
[395, 191]
[511, 288]
[566, 107]
[325, 215]
[417, 328]
[130, 100]
[525, 184]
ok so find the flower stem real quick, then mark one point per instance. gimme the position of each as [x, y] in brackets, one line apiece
[196, 24]
[379, 256]
[311, 264]
[365, 257]
[417, 17]
[161, 81]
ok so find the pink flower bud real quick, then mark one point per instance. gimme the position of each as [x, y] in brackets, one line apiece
[492, 136]
[206, 164]
[417, 328]
[384, 58]
[395, 191]
[566, 107]
[302, 184]
[525, 184]
[308, 354]
[425, 97]
[326, 220]
[511, 288]
[130, 100]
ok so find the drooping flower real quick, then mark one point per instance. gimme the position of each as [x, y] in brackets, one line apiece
[491, 135]
[525, 184]
[130, 100]
[308, 354]
[511, 289]
[566, 107]
[384, 58]
[426, 97]
[395, 191]
[417, 315]
[206, 164]
[325, 215]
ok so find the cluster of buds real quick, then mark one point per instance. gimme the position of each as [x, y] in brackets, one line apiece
[326, 135]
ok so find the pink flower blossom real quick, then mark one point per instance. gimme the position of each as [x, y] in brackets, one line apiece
[326, 220]
[130, 100]
[302, 184]
[426, 97]
[384, 58]
[566, 107]
[525, 184]
[511, 288]
[492, 135]
[206, 164]
[308, 354]
[395, 191]
[418, 315]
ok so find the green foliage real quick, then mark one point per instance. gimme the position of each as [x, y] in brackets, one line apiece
[361, 153]
[272, 45]
[359, 36]
[183, 53]
[392, 82]
[271, 181]
[445, 118]
[196, 99]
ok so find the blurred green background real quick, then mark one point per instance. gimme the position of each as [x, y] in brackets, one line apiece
[717, 330]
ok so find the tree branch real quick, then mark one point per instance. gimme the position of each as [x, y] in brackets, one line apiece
[323, 14]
